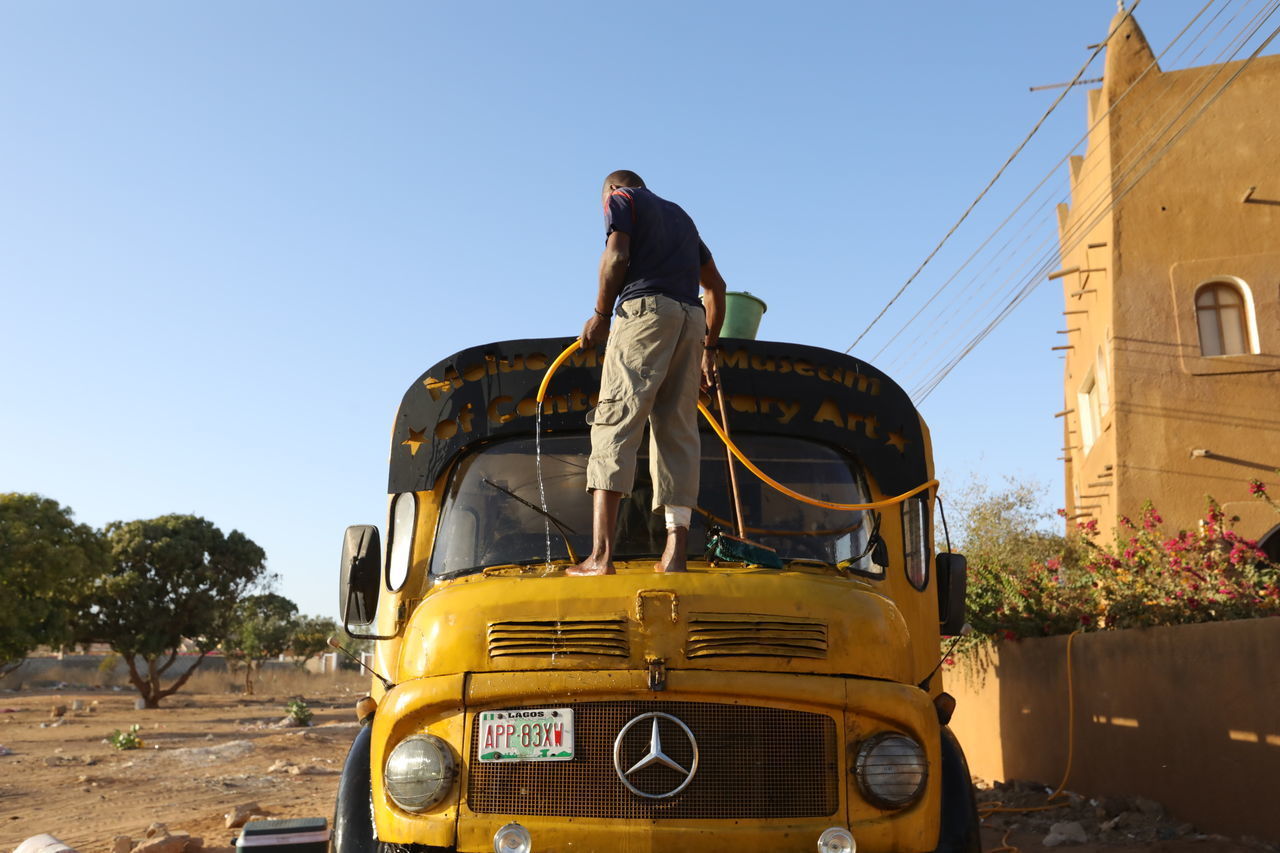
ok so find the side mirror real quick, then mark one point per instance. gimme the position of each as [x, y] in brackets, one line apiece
[952, 575]
[880, 552]
[360, 579]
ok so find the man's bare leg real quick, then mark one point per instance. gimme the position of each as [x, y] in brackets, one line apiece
[673, 556]
[604, 527]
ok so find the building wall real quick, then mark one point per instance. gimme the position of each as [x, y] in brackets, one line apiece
[1185, 715]
[1175, 426]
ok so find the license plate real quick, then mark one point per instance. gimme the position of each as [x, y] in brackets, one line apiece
[528, 734]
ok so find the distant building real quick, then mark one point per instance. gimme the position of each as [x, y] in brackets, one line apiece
[1171, 278]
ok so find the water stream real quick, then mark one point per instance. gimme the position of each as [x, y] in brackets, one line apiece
[542, 489]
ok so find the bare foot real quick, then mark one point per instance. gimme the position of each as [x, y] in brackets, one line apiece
[593, 565]
[675, 564]
[673, 556]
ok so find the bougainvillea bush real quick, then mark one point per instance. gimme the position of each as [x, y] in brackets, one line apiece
[1149, 576]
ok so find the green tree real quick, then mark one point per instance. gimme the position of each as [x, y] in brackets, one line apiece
[311, 637]
[1006, 527]
[1021, 578]
[172, 578]
[46, 563]
[262, 627]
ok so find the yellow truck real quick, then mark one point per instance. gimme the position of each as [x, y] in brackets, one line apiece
[733, 707]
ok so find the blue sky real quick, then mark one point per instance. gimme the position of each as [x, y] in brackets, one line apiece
[233, 233]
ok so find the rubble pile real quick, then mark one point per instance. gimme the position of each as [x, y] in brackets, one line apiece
[158, 839]
[1076, 819]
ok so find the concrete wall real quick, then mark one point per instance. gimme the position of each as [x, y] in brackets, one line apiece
[46, 671]
[1186, 715]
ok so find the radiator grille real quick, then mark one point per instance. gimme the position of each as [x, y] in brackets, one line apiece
[606, 636]
[736, 635]
[753, 763]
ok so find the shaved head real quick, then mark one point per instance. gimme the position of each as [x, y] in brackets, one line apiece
[623, 178]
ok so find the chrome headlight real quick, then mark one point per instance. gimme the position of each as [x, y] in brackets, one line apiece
[420, 772]
[891, 770]
[512, 838]
[837, 839]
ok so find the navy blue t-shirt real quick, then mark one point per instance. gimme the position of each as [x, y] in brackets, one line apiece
[666, 252]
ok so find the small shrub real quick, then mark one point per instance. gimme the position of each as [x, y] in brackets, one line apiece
[298, 711]
[126, 740]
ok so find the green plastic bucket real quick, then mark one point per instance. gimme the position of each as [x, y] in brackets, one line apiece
[742, 313]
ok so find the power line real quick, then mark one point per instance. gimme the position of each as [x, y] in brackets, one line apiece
[1128, 14]
[929, 380]
[924, 390]
[1121, 170]
[1081, 229]
[980, 308]
[1048, 175]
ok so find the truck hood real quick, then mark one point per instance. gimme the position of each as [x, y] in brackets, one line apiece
[744, 620]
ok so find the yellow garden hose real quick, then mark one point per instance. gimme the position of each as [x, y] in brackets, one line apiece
[555, 365]
[750, 466]
[993, 808]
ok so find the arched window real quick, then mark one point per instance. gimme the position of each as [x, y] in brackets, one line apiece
[1222, 315]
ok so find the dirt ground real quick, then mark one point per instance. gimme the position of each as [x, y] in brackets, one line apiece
[202, 755]
[205, 753]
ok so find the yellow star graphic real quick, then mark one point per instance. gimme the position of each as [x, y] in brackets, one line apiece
[898, 440]
[417, 438]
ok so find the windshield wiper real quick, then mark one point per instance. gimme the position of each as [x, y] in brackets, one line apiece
[563, 529]
[874, 541]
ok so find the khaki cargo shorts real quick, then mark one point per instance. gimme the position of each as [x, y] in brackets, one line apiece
[652, 370]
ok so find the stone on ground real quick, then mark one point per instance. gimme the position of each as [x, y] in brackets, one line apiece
[1069, 832]
[175, 843]
[239, 815]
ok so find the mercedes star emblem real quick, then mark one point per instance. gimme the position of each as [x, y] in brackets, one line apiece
[655, 755]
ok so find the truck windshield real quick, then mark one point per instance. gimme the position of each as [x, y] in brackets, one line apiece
[487, 519]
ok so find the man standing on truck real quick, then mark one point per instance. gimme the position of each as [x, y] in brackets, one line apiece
[663, 343]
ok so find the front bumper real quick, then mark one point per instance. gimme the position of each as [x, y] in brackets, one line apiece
[446, 706]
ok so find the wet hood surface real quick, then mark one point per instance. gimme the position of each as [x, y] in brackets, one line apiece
[709, 619]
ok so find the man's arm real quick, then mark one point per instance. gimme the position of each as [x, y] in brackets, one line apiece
[613, 272]
[713, 283]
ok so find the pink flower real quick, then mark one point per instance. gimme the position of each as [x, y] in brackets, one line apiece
[1257, 488]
